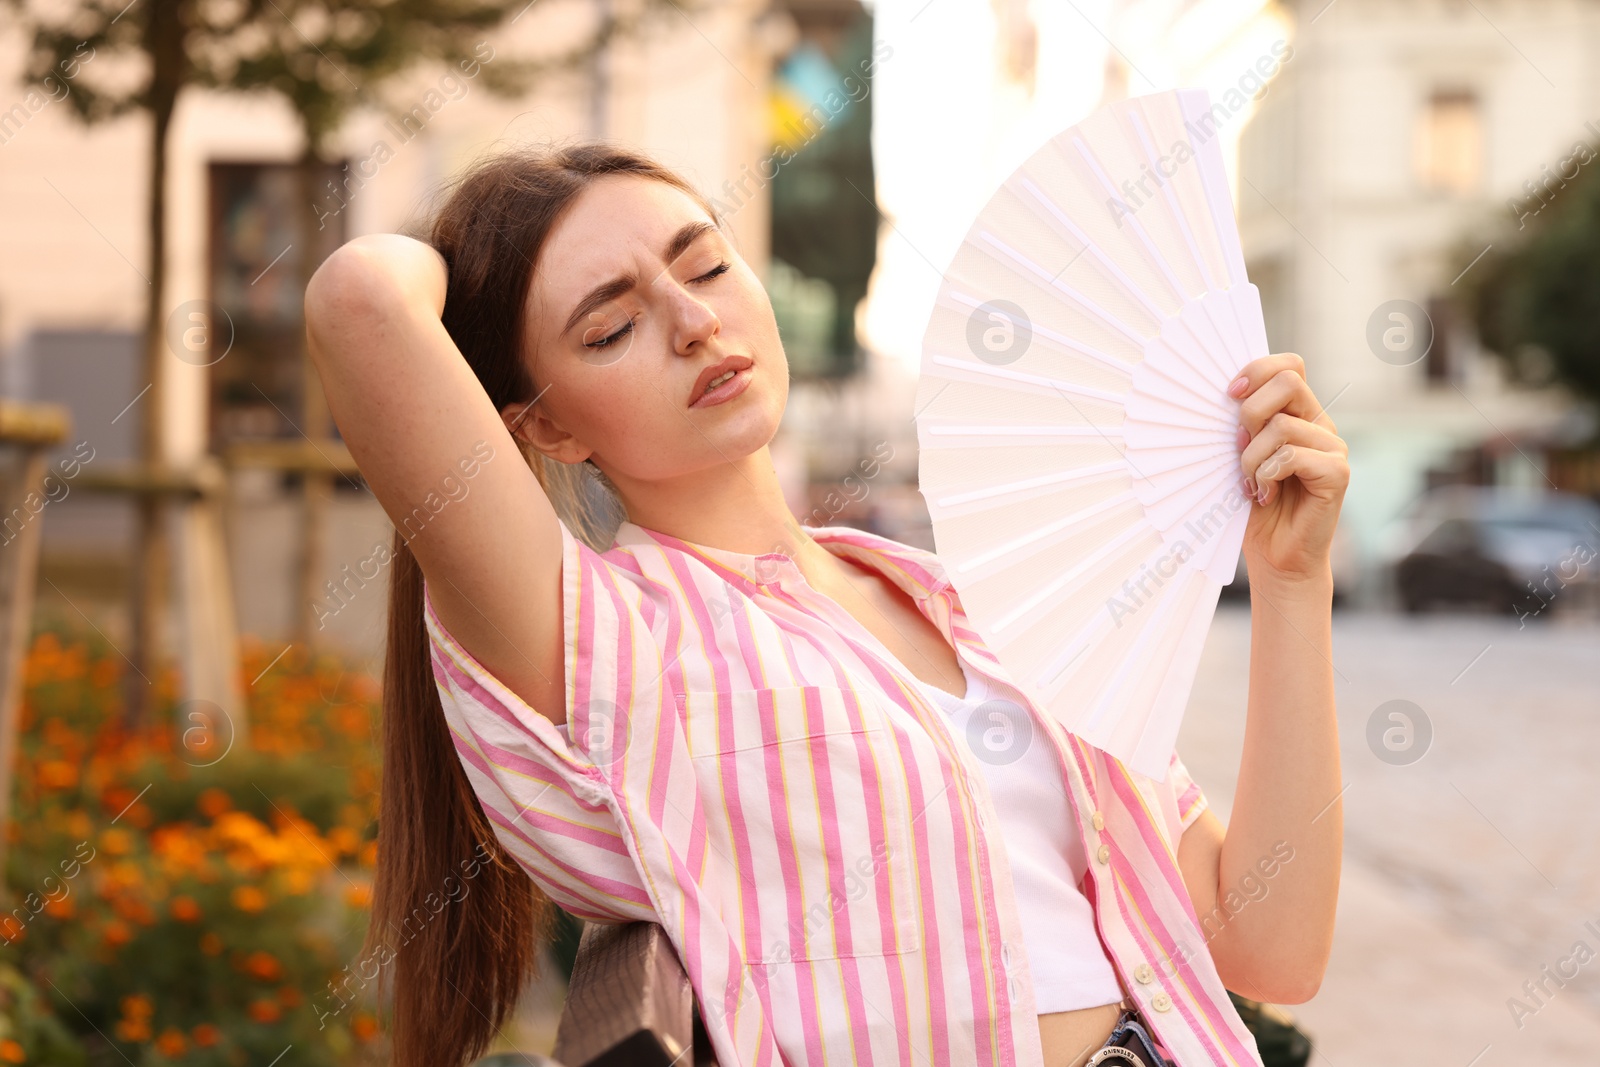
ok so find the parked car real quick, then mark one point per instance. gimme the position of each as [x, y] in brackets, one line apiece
[1518, 552]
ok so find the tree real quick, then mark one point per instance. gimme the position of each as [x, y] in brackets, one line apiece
[1533, 298]
[824, 220]
[327, 58]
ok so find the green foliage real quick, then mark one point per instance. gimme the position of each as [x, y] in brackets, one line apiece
[325, 57]
[824, 218]
[1533, 296]
[29, 1031]
[1280, 1042]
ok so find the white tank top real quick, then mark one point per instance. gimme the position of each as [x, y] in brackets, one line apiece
[1042, 842]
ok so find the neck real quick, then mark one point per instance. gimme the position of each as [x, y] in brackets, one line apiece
[738, 506]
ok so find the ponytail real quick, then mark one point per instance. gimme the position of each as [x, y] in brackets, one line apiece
[457, 969]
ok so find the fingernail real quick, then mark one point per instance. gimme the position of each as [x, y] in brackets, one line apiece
[1241, 438]
[1250, 487]
[1240, 384]
[1261, 495]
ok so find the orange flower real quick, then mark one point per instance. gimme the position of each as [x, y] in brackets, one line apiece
[214, 802]
[206, 1035]
[104, 674]
[116, 841]
[249, 898]
[364, 1026]
[117, 933]
[12, 1052]
[172, 1043]
[61, 908]
[11, 929]
[265, 1011]
[344, 840]
[133, 1030]
[289, 996]
[358, 896]
[136, 911]
[138, 1006]
[56, 774]
[185, 909]
[263, 965]
[211, 944]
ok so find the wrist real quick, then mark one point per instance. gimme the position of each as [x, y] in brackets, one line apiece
[1314, 586]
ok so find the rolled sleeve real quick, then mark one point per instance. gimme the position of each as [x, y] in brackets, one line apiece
[546, 797]
[1191, 800]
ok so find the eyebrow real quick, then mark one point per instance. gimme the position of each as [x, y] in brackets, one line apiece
[600, 294]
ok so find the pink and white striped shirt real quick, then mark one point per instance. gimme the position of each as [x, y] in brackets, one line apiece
[751, 768]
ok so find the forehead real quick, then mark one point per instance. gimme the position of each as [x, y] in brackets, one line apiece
[620, 223]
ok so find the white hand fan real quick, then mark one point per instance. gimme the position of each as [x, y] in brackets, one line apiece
[1078, 452]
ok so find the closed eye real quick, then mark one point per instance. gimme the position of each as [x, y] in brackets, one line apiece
[715, 272]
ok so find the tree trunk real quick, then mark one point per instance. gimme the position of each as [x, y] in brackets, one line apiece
[150, 575]
[315, 422]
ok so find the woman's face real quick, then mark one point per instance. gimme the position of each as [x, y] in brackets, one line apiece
[635, 294]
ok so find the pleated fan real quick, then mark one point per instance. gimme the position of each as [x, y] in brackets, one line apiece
[1077, 442]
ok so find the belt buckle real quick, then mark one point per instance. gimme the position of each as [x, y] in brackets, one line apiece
[1128, 1029]
[1116, 1054]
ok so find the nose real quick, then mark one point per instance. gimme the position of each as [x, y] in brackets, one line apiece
[694, 321]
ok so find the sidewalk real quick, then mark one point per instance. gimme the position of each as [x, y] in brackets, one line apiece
[1401, 988]
[1465, 872]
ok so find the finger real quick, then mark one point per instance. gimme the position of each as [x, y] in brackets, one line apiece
[1323, 474]
[1253, 374]
[1284, 391]
[1285, 429]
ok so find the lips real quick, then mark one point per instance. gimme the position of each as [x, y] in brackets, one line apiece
[716, 370]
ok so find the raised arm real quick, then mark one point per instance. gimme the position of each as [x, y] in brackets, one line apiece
[1282, 847]
[440, 459]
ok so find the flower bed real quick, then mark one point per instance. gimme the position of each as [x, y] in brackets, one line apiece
[175, 897]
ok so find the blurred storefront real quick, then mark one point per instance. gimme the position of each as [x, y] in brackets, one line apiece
[1381, 161]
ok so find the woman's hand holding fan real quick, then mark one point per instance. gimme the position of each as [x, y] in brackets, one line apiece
[1082, 457]
[1294, 461]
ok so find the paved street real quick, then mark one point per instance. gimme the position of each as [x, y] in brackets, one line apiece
[1466, 870]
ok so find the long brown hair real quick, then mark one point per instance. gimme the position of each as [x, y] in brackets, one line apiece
[458, 970]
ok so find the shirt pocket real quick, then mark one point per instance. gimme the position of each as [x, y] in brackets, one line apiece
[807, 803]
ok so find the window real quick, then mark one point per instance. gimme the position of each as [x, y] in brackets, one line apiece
[1449, 148]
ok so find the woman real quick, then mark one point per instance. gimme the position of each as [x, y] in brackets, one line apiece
[748, 730]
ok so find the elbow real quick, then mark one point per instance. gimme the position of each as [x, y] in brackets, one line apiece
[347, 291]
[1282, 982]
[1290, 988]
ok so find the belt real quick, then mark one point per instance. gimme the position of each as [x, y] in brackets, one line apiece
[1130, 1044]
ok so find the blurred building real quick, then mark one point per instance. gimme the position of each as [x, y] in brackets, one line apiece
[759, 104]
[1387, 155]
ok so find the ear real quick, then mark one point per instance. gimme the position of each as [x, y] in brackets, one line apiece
[530, 424]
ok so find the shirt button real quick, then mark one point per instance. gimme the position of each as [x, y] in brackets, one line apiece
[1144, 974]
[1103, 854]
[1098, 820]
[1161, 1002]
